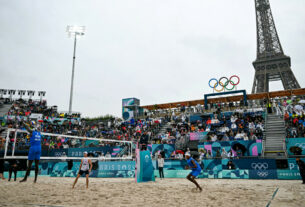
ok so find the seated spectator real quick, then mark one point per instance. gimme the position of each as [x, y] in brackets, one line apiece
[224, 153]
[253, 137]
[108, 155]
[260, 126]
[239, 135]
[233, 119]
[230, 154]
[233, 126]
[224, 129]
[208, 128]
[251, 127]
[209, 154]
[218, 154]
[225, 137]
[213, 137]
[202, 154]
[215, 120]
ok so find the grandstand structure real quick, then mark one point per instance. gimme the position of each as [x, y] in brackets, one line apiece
[228, 99]
[260, 132]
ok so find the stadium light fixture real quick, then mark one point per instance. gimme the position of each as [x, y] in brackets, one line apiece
[11, 92]
[2, 92]
[21, 93]
[41, 94]
[31, 93]
[75, 32]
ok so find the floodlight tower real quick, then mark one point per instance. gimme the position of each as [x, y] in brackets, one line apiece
[21, 93]
[31, 93]
[11, 93]
[3, 92]
[74, 32]
[41, 94]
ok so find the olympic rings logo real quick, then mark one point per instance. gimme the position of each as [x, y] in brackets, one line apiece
[260, 166]
[301, 145]
[262, 174]
[224, 82]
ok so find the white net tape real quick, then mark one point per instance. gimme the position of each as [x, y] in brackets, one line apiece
[17, 142]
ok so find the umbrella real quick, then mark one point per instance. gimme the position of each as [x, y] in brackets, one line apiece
[302, 102]
[298, 107]
[239, 146]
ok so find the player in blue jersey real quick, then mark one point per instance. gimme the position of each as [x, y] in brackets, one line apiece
[35, 149]
[195, 167]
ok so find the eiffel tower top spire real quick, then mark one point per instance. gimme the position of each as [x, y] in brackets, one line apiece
[268, 42]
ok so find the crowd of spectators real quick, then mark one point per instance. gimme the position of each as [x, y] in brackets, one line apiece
[239, 124]
[220, 126]
[23, 107]
[51, 121]
[294, 116]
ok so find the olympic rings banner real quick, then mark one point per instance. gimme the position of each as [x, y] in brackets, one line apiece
[224, 83]
[213, 168]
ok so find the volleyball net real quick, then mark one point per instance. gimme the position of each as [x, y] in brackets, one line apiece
[63, 147]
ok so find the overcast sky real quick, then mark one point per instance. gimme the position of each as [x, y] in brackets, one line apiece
[156, 50]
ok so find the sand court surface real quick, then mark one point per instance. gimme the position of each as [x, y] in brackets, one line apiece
[168, 192]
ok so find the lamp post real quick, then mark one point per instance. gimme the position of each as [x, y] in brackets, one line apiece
[74, 32]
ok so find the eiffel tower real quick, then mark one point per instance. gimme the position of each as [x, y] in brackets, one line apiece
[271, 63]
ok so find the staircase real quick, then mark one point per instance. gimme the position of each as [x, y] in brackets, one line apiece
[3, 132]
[4, 109]
[275, 137]
[163, 129]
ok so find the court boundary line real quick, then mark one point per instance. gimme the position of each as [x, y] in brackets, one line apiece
[273, 196]
[30, 204]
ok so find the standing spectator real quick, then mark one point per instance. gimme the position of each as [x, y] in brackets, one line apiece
[13, 169]
[160, 166]
[144, 141]
[230, 165]
[1, 168]
[301, 165]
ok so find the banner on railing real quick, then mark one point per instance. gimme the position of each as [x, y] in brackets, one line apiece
[214, 168]
[199, 136]
[167, 148]
[247, 148]
[291, 143]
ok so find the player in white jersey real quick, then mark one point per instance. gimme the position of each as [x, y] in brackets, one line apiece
[84, 168]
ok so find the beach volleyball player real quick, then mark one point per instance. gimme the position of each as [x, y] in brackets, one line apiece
[84, 168]
[35, 149]
[195, 167]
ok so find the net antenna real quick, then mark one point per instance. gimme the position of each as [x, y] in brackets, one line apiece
[122, 150]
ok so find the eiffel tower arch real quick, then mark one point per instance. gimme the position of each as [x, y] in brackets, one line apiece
[271, 63]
